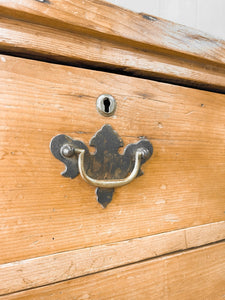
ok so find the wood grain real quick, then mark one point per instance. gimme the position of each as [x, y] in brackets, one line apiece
[43, 213]
[98, 18]
[86, 34]
[197, 274]
[57, 267]
[35, 41]
[51, 228]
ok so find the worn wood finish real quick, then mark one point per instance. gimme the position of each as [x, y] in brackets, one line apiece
[44, 213]
[92, 52]
[67, 265]
[86, 34]
[99, 18]
[51, 228]
[196, 274]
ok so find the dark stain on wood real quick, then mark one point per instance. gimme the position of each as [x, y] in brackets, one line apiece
[44, 1]
[149, 17]
[145, 95]
[202, 38]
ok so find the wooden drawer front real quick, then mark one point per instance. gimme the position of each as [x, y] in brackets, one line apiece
[43, 213]
[197, 275]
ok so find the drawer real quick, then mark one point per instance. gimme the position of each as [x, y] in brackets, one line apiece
[175, 277]
[44, 213]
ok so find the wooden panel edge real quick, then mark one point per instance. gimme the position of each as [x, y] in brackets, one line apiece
[194, 274]
[89, 52]
[58, 267]
[97, 18]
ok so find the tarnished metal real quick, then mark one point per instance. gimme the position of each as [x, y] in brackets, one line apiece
[106, 105]
[108, 183]
[67, 151]
[106, 168]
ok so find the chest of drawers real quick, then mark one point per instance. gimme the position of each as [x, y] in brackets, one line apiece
[162, 235]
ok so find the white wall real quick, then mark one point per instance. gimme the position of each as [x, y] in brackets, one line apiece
[205, 15]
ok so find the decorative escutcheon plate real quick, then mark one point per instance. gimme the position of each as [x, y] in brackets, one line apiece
[106, 168]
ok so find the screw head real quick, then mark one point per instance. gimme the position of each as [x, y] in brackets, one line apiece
[144, 152]
[67, 150]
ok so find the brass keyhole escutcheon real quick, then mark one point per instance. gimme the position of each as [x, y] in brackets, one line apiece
[106, 105]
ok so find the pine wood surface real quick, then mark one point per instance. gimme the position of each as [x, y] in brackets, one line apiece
[62, 266]
[43, 213]
[86, 34]
[197, 274]
[51, 228]
[99, 18]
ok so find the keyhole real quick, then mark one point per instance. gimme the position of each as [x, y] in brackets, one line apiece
[106, 103]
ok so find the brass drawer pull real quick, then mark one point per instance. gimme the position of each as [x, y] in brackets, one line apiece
[110, 183]
[106, 168]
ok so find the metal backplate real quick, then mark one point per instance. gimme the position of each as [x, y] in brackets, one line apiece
[106, 163]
